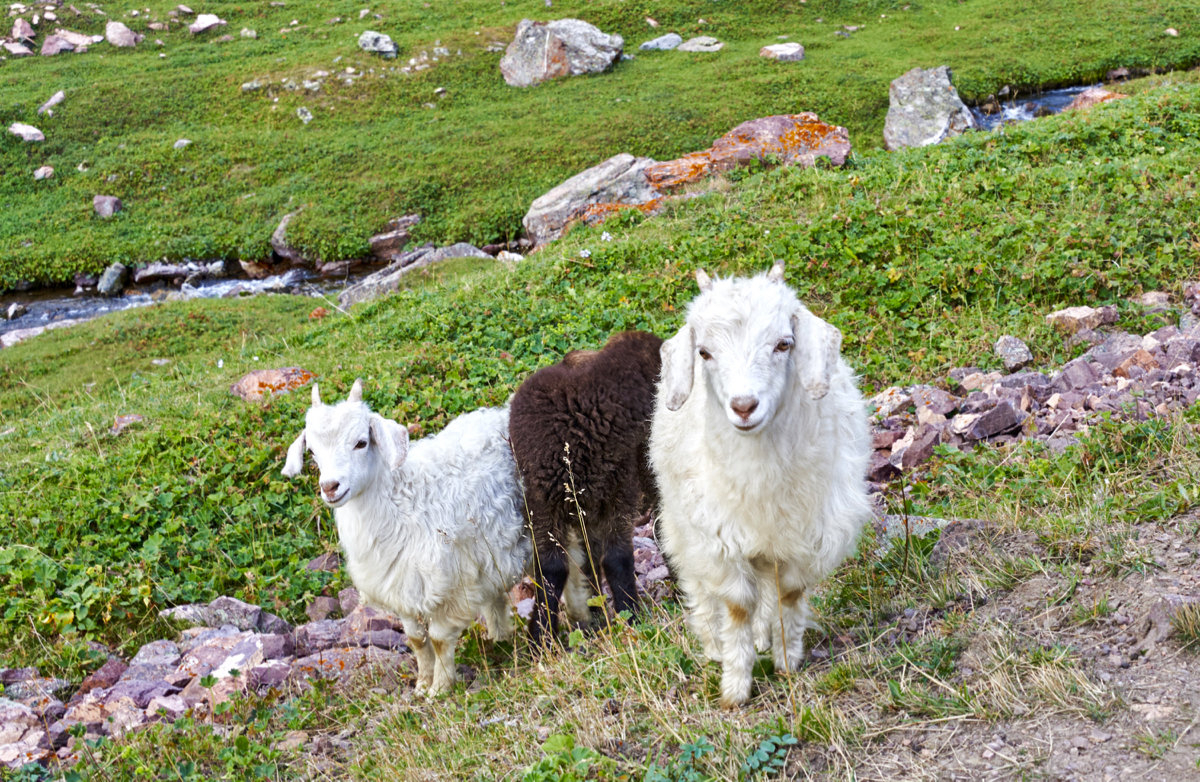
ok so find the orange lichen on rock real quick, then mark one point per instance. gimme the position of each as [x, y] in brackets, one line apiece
[257, 384]
[1092, 96]
[598, 213]
[793, 139]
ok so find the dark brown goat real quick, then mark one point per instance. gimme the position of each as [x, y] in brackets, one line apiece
[579, 432]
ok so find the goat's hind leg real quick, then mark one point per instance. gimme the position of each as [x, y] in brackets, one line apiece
[497, 615]
[618, 569]
[551, 571]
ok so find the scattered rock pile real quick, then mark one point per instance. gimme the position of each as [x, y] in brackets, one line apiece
[1121, 376]
[231, 648]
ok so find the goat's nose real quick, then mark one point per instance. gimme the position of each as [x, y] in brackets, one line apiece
[743, 405]
[330, 488]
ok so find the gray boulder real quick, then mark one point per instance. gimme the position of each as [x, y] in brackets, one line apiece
[551, 50]
[619, 180]
[112, 282]
[22, 30]
[924, 108]
[106, 206]
[53, 101]
[662, 43]
[371, 41]
[118, 34]
[1013, 352]
[26, 132]
[784, 52]
[17, 49]
[56, 44]
[279, 242]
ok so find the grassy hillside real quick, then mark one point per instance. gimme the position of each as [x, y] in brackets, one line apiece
[473, 162]
[922, 258]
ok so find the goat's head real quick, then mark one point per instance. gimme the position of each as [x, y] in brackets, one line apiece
[350, 445]
[750, 335]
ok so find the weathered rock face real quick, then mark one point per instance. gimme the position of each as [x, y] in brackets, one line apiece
[551, 50]
[621, 179]
[624, 181]
[662, 43]
[253, 386]
[22, 30]
[378, 43]
[789, 139]
[17, 49]
[26, 132]
[43, 172]
[106, 206]
[1091, 97]
[118, 34]
[112, 282]
[924, 108]
[784, 52]
[56, 44]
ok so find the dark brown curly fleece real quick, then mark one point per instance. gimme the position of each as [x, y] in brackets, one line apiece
[594, 409]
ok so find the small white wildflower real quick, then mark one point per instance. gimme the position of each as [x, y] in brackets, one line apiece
[256, 358]
[220, 363]
[606, 237]
[585, 253]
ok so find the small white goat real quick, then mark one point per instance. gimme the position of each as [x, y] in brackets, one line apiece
[434, 533]
[761, 451]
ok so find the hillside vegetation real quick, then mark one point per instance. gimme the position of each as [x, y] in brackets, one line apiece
[921, 258]
[470, 160]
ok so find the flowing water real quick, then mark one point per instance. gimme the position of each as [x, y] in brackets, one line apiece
[1022, 109]
[47, 307]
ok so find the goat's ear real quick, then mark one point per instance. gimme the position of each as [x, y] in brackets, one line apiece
[295, 456]
[316, 396]
[678, 362]
[819, 345]
[390, 438]
[776, 273]
[703, 280]
[355, 391]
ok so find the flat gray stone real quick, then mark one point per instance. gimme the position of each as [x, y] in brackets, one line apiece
[662, 43]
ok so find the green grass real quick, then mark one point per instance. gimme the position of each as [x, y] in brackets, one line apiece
[472, 164]
[920, 257]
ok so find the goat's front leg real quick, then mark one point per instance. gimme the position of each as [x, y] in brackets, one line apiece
[443, 637]
[739, 593]
[418, 641]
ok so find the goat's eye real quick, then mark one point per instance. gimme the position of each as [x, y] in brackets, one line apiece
[704, 354]
[360, 445]
[783, 345]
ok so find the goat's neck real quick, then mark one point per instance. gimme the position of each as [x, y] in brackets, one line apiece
[371, 514]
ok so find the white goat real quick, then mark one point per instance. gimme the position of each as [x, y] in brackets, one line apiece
[434, 533]
[761, 451]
